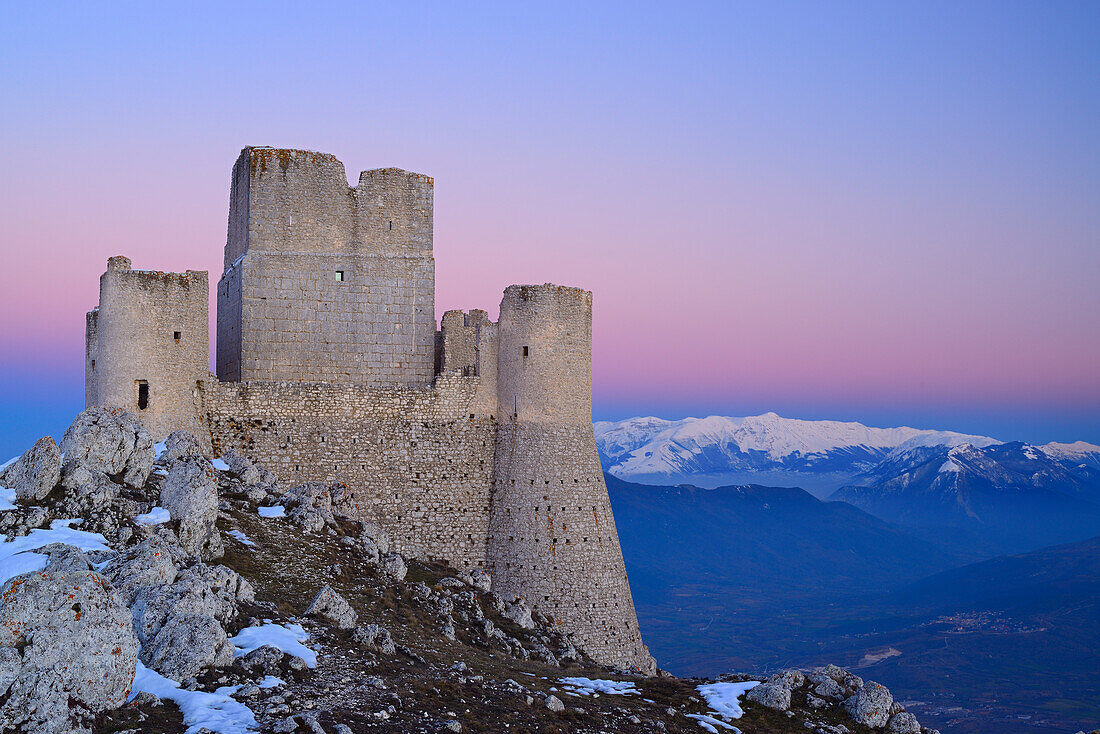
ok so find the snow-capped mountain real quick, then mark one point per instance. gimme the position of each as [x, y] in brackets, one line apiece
[1014, 494]
[784, 449]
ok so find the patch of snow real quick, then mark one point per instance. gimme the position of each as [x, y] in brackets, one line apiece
[289, 639]
[271, 681]
[273, 511]
[723, 697]
[8, 463]
[220, 465]
[159, 448]
[16, 558]
[588, 686]
[241, 537]
[949, 466]
[215, 711]
[155, 516]
[7, 499]
[709, 723]
[1075, 450]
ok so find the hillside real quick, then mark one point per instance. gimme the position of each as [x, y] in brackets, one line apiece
[149, 588]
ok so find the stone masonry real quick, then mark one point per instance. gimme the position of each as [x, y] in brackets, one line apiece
[471, 444]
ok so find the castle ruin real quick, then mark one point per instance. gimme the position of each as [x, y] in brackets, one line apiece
[472, 444]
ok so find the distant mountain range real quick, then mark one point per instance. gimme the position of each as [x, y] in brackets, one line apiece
[820, 456]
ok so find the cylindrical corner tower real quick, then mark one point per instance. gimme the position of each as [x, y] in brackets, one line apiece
[552, 537]
[149, 346]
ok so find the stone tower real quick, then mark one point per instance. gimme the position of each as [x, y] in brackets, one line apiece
[326, 282]
[552, 536]
[147, 346]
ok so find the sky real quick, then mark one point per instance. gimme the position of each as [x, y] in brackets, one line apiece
[884, 212]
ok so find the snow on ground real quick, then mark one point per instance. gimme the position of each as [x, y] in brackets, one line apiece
[711, 724]
[723, 697]
[287, 638]
[155, 516]
[220, 465]
[273, 511]
[159, 448]
[216, 711]
[16, 559]
[241, 537]
[589, 686]
[8, 463]
[7, 499]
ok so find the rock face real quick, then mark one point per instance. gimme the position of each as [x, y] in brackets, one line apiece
[904, 723]
[190, 494]
[329, 605]
[112, 441]
[62, 621]
[36, 472]
[178, 445]
[213, 591]
[310, 504]
[242, 467]
[871, 705]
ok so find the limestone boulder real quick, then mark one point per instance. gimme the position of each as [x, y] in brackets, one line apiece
[67, 651]
[478, 579]
[186, 645]
[212, 591]
[376, 535]
[178, 445]
[64, 558]
[330, 606]
[36, 472]
[245, 470]
[773, 695]
[149, 563]
[375, 637]
[112, 441]
[903, 723]
[266, 659]
[870, 705]
[310, 505]
[519, 612]
[190, 494]
[393, 565]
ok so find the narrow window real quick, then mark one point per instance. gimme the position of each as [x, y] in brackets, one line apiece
[176, 335]
[142, 394]
[391, 224]
[526, 350]
[339, 275]
[93, 364]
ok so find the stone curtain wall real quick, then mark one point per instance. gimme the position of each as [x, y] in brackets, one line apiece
[140, 312]
[419, 462]
[296, 222]
[91, 352]
[552, 537]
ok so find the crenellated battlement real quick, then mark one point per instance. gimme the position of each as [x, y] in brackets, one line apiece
[471, 443]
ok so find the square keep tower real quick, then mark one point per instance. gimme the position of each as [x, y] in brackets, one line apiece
[325, 282]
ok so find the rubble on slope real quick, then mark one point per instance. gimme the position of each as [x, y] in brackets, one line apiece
[315, 624]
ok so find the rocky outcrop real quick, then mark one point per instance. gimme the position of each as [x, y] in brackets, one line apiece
[310, 505]
[112, 441]
[34, 473]
[67, 650]
[190, 494]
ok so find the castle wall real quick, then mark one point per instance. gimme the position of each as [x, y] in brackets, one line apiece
[418, 461]
[151, 328]
[552, 537]
[324, 281]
